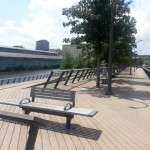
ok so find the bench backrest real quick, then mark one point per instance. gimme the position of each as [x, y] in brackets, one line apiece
[53, 94]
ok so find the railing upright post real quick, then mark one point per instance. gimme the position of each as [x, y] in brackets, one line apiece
[92, 73]
[8, 81]
[75, 76]
[59, 79]
[81, 75]
[68, 77]
[85, 74]
[24, 79]
[48, 79]
[89, 73]
[95, 72]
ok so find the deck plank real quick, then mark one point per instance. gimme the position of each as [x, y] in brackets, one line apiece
[122, 120]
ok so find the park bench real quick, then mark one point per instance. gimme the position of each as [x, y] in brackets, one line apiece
[67, 111]
[34, 123]
[104, 75]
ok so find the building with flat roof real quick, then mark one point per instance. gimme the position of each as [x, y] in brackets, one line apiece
[42, 45]
[72, 49]
[13, 57]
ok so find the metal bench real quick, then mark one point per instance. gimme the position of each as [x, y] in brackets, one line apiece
[52, 94]
[34, 123]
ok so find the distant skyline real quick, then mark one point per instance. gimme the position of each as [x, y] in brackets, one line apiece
[23, 22]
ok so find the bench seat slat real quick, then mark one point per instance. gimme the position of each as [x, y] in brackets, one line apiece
[53, 98]
[53, 108]
[53, 94]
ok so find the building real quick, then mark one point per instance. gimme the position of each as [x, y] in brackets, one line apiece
[72, 49]
[145, 57]
[58, 51]
[14, 58]
[42, 45]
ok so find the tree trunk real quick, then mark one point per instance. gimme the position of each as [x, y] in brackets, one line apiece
[98, 71]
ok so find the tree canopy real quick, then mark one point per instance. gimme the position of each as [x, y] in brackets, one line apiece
[90, 21]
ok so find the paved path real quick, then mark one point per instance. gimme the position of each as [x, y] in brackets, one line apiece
[122, 122]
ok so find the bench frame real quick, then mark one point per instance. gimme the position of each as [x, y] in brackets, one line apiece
[53, 94]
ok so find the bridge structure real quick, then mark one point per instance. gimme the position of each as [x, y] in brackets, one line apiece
[122, 121]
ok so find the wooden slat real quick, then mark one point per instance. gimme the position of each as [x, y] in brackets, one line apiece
[122, 119]
[49, 108]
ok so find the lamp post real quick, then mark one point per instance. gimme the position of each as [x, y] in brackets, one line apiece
[136, 58]
[109, 90]
[131, 57]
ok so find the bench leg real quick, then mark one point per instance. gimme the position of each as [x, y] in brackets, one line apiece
[32, 137]
[26, 111]
[68, 121]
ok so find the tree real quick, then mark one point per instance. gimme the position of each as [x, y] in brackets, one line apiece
[67, 61]
[90, 20]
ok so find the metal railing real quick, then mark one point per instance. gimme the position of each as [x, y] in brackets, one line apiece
[73, 75]
[7, 81]
[52, 75]
[56, 76]
[147, 71]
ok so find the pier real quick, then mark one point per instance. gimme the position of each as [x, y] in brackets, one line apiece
[122, 121]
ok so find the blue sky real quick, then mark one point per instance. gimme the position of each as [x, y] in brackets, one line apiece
[23, 22]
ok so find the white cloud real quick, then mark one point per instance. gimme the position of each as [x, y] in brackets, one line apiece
[45, 22]
[141, 11]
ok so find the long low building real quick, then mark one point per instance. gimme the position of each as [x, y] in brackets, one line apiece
[17, 58]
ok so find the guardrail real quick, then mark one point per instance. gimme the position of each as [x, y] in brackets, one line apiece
[22, 79]
[53, 74]
[57, 76]
[147, 71]
[70, 75]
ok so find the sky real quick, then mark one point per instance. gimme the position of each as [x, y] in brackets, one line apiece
[23, 22]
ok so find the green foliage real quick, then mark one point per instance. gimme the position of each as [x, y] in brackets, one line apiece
[79, 62]
[67, 61]
[90, 20]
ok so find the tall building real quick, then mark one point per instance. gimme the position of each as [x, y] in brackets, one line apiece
[72, 49]
[42, 45]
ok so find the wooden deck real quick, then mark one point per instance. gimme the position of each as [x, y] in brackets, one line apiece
[122, 122]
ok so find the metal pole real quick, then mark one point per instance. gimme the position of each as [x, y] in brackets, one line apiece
[109, 91]
[131, 64]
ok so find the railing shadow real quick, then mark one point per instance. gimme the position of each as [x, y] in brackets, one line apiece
[76, 130]
[139, 83]
[123, 93]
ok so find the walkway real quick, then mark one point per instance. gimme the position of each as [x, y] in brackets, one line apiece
[122, 122]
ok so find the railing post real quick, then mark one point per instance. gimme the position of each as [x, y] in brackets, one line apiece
[37, 77]
[48, 79]
[95, 72]
[92, 73]
[89, 73]
[68, 77]
[8, 81]
[75, 76]
[81, 75]
[59, 79]
[24, 79]
[85, 74]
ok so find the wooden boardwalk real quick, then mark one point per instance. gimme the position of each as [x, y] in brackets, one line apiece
[122, 122]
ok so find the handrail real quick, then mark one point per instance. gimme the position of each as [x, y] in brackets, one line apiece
[74, 74]
[56, 76]
[7, 81]
[147, 71]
